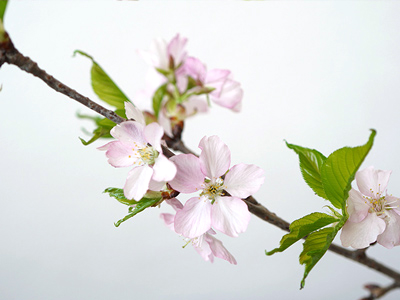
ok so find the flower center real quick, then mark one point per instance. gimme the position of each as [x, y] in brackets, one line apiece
[213, 189]
[148, 155]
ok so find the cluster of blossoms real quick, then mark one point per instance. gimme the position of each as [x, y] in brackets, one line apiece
[186, 87]
[374, 216]
[188, 84]
[219, 204]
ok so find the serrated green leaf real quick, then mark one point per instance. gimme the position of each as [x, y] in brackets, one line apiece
[302, 227]
[158, 98]
[119, 195]
[311, 162]
[139, 207]
[104, 86]
[339, 169]
[316, 245]
[3, 5]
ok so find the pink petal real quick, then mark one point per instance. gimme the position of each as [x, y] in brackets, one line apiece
[357, 206]
[129, 133]
[156, 185]
[230, 96]
[156, 56]
[195, 104]
[216, 79]
[243, 180]
[153, 134]
[120, 155]
[361, 235]
[176, 49]
[371, 182]
[195, 217]
[165, 122]
[168, 220]
[215, 157]
[175, 203]
[189, 177]
[164, 169]
[137, 182]
[391, 236]
[204, 250]
[230, 215]
[133, 112]
[218, 249]
[195, 68]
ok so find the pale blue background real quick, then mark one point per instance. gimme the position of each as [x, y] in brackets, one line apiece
[318, 74]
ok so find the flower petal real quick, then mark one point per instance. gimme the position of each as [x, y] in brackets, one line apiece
[371, 182]
[164, 169]
[218, 249]
[153, 134]
[176, 49]
[133, 112]
[215, 157]
[216, 79]
[129, 133]
[120, 155]
[361, 235]
[203, 248]
[168, 220]
[175, 203]
[230, 215]
[357, 206]
[195, 104]
[156, 56]
[195, 68]
[137, 182]
[156, 185]
[391, 236]
[189, 177]
[230, 96]
[195, 217]
[243, 180]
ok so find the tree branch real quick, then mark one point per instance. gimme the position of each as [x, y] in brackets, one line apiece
[9, 54]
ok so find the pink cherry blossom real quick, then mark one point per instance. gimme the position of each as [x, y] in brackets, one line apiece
[226, 93]
[210, 175]
[163, 55]
[206, 245]
[373, 215]
[139, 146]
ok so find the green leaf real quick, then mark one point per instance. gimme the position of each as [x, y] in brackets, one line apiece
[102, 131]
[316, 245]
[339, 170]
[158, 98]
[119, 195]
[302, 227]
[3, 5]
[104, 126]
[103, 85]
[139, 207]
[311, 162]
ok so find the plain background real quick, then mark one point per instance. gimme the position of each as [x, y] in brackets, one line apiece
[318, 74]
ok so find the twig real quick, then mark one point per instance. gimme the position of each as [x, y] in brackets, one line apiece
[377, 292]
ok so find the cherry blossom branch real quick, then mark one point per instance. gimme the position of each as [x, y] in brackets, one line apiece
[357, 255]
[9, 54]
